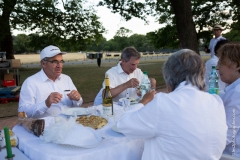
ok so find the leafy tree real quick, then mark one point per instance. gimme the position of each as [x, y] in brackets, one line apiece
[21, 43]
[235, 11]
[193, 18]
[38, 42]
[123, 32]
[140, 42]
[165, 37]
[233, 35]
[137, 41]
[98, 47]
[67, 19]
[110, 45]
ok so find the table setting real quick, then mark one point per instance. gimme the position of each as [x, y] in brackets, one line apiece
[63, 138]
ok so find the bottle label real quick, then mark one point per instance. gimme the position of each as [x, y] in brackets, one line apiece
[107, 110]
[213, 90]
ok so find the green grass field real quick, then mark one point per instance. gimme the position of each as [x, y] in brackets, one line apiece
[88, 80]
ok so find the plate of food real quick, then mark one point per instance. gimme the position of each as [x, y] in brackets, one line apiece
[132, 101]
[75, 111]
[95, 122]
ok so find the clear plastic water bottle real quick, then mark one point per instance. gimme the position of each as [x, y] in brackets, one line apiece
[145, 84]
[213, 81]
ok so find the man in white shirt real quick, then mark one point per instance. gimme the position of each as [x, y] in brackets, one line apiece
[125, 77]
[184, 124]
[217, 31]
[48, 91]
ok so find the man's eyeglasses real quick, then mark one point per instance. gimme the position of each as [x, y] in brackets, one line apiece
[55, 62]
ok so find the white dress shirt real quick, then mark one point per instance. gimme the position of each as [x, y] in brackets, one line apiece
[231, 100]
[208, 65]
[186, 124]
[36, 89]
[117, 77]
[213, 43]
[98, 98]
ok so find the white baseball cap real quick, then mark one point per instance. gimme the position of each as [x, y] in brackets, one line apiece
[50, 51]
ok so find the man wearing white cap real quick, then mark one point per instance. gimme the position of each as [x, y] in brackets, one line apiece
[217, 31]
[44, 93]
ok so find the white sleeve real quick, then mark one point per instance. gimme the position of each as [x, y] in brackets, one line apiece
[27, 102]
[232, 107]
[140, 122]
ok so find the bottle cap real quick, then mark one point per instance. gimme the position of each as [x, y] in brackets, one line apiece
[145, 72]
[213, 67]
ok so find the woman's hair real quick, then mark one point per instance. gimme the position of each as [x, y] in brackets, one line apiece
[129, 52]
[230, 51]
[220, 43]
[184, 65]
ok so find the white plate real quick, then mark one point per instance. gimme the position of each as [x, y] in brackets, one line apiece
[132, 101]
[77, 111]
[114, 127]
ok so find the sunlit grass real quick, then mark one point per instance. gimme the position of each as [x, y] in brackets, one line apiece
[88, 79]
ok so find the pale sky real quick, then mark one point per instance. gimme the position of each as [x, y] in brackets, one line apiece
[113, 22]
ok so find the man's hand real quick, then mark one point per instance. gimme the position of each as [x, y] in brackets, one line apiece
[132, 83]
[54, 97]
[206, 49]
[74, 95]
[148, 97]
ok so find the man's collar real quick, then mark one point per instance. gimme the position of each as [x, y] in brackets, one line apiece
[45, 77]
[119, 67]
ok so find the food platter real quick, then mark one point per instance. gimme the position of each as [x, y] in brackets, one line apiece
[75, 111]
[95, 122]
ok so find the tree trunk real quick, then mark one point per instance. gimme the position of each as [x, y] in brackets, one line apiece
[185, 26]
[6, 42]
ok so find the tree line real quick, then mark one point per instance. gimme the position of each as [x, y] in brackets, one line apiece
[68, 22]
[33, 43]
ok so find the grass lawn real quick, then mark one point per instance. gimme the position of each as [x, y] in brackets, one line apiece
[88, 79]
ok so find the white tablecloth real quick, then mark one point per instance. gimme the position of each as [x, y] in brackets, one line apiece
[114, 146]
[18, 155]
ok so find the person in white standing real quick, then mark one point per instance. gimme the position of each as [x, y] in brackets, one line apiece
[184, 124]
[229, 70]
[217, 31]
[44, 93]
[213, 62]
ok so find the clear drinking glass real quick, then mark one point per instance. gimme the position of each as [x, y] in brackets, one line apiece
[125, 103]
